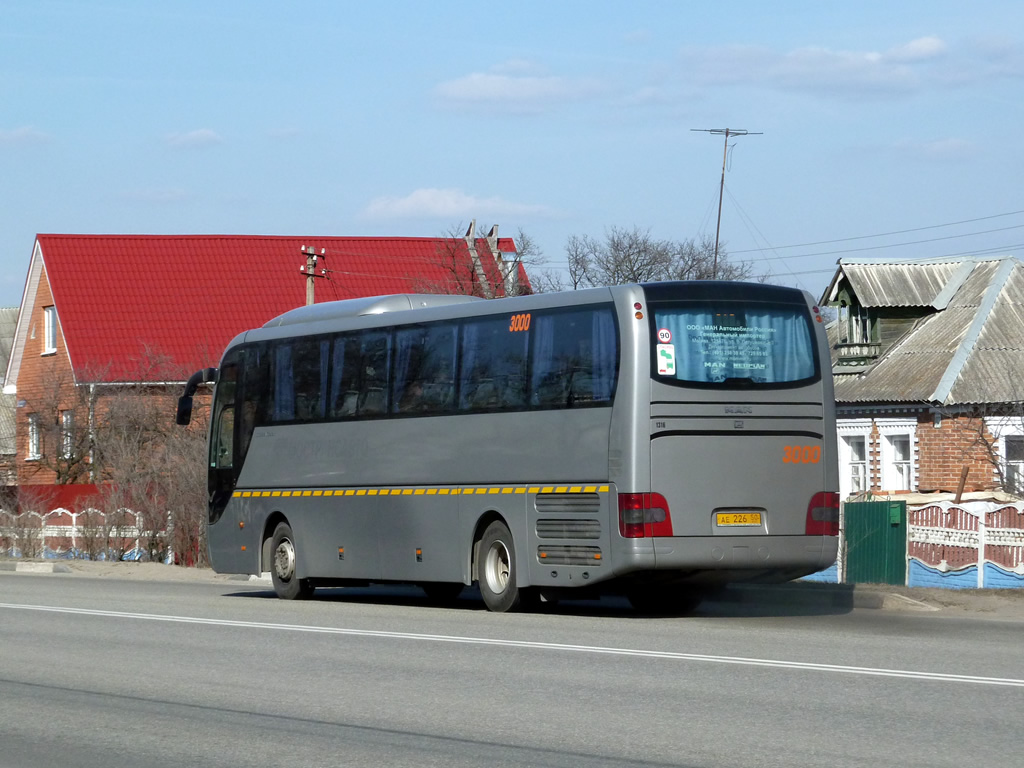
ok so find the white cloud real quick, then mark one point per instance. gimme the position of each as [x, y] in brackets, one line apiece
[814, 68]
[203, 137]
[447, 204]
[22, 136]
[515, 87]
[920, 49]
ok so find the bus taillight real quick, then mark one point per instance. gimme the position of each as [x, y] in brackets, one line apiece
[823, 514]
[644, 515]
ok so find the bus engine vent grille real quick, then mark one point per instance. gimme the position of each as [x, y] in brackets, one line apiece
[569, 555]
[561, 503]
[548, 528]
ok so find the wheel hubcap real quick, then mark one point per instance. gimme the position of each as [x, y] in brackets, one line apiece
[284, 560]
[497, 567]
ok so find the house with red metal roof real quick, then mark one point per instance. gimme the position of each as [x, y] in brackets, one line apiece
[103, 311]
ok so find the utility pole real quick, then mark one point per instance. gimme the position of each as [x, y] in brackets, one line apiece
[310, 269]
[727, 132]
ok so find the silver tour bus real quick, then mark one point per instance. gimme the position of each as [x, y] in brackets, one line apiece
[656, 441]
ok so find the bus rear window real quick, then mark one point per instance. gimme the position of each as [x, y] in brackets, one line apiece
[733, 344]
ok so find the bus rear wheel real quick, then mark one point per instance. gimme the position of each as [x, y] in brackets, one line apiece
[496, 569]
[284, 562]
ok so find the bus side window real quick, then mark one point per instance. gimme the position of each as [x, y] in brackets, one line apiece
[492, 368]
[374, 353]
[575, 358]
[344, 377]
[255, 396]
[224, 449]
[309, 378]
[222, 444]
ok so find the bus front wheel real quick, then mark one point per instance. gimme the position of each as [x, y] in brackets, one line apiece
[284, 566]
[497, 569]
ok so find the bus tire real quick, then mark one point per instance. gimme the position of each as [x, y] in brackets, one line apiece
[284, 560]
[497, 569]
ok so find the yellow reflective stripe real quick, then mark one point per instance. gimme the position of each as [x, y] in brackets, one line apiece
[473, 491]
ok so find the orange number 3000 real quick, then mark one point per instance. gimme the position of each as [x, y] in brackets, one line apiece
[801, 454]
[519, 323]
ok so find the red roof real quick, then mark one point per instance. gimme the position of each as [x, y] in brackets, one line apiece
[156, 308]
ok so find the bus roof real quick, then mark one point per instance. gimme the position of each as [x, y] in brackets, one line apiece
[367, 305]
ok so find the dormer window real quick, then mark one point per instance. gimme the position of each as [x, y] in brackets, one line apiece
[854, 325]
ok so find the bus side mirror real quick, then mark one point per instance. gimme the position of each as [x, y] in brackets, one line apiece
[184, 417]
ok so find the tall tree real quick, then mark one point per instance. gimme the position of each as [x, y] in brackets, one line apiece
[634, 256]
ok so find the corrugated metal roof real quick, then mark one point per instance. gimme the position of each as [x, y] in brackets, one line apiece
[897, 285]
[122, 301]
[955, 356]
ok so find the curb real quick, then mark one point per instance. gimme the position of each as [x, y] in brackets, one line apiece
[35, 567]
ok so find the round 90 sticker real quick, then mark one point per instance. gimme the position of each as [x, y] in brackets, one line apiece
[664, 335]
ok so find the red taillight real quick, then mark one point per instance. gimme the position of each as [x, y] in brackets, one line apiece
[644, 515]
[823, 514]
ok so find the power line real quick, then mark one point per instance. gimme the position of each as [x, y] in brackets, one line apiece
[878, 247]
[887, 234]
[983, 252]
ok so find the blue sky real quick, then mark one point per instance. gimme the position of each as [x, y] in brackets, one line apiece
[560, 118]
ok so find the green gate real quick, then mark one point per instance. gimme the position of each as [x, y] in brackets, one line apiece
[875, 536]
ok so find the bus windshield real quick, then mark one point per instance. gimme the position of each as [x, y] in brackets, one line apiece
[725, 344]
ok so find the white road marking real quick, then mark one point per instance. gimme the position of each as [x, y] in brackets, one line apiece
[635, 652]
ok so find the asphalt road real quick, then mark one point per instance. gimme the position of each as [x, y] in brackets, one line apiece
[219, 673]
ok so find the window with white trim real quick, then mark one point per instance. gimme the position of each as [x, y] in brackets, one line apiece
[897, 443]
[854, 456]
[33, 437]
[857, 466]
[1013, 472]
[67, 434]
[1008, 432]
[49, 330]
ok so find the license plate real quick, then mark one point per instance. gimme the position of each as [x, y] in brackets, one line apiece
[738, 518]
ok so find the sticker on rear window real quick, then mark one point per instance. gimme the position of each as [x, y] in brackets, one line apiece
[667, 359]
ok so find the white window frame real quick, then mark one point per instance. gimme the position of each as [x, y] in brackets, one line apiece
[1001, 427]
[33, 438]
[67, 433]
[49, 330]
[847, 429]
[888, 431]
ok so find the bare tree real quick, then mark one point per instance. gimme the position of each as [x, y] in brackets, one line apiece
[123, 437]
[63, 411]
[472, 265]
[634, 256]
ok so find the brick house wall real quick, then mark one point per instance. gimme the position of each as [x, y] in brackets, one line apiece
[939, 450]
[947, 445]
[38, 377]
[46, 387]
